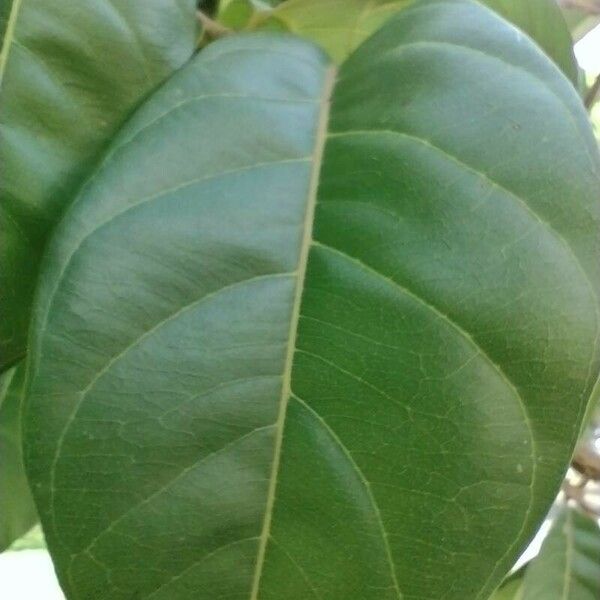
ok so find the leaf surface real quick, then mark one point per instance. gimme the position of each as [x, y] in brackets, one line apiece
[70, 74]
[343, 350]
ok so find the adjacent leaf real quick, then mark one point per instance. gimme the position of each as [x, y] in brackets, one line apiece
[341, 351]
[71, 72]
[338, 26]
[237, 14]
[568, 565]
[544, 22]
[17, 511]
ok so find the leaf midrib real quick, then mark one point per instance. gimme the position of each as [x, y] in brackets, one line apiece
[320, 139]
[9, 35]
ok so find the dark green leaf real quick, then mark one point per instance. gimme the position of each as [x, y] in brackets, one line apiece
[341, 351]
[17, 511]
[568, 565]
[71, 71]
[543, 21]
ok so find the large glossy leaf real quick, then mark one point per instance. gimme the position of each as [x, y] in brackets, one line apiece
[71, 71]
[17, 511]
[343, 350]
[568, 565]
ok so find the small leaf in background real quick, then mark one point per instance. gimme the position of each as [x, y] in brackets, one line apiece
[543, 21]
[338, 26]
[71, 71]
[237, 14]
[17, 511]
[568, 565]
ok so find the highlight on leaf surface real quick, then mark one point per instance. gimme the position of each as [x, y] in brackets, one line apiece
[71, 72]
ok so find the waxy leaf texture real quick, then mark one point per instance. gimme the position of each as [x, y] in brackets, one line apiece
[319, 333]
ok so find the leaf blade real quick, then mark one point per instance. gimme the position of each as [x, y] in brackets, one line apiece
[426, 357]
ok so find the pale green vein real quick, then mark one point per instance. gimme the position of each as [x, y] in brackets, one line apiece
[366, 484]
[442, 316]
[352, 376]
[140, 201]
[190, 182]
[541, 83]
[476, 345]
[83, 394]
[487, 179]
[9, 35]
[198, 563]
[298, 567]
[320, 138]
[493, 184]
[165, 487]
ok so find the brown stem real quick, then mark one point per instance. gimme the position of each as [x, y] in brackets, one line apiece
[589, 6]
[212, 28]
[590, 97]
[587, 462]
[577, 495]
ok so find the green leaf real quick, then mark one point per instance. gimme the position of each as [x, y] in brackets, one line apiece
[236, 13]
[17, 511]
[71, 72]
[568, 565]
[543, 21]
[341, 351]
[338, 26]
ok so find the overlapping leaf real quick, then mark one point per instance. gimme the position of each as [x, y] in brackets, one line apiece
[343, 350]
[71, 71]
